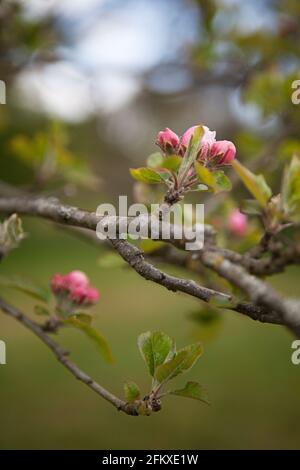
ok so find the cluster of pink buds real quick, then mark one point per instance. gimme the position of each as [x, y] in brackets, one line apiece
[212, 151]
[73, 290]
[237, 223]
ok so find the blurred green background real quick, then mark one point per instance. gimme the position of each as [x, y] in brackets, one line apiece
[88, 85]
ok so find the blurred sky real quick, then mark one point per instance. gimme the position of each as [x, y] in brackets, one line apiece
[109, 44]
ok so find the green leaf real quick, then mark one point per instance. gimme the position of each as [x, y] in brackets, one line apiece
[222, 182]
[255, 184]
[132, 392]
[172, 162]
[250, 207]
[205, 175]
[26, 286]
[191, 153]
[192, 390]
[158, 161]
[155, 348]
[40, 310]
[149, 175]
[163, 173]
[181, 362]
[217, 181]
[155, 160]
[291, 188]
[95, 335]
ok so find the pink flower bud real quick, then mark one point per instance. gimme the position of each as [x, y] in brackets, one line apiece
[77, 278]
[92, 295]
[84, 295]
[225, 150]
[78, 294]
[168, 141]
[73, 290]
[209, 137]
[237, 223]
[57, 283]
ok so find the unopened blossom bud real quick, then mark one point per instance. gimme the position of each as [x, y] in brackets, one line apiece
[77, 278]
[237, 223]
[208, 137]
[168, 141]
[84, 295]
[92, 295]
[73, 290]
[57, 283]
[225, 150]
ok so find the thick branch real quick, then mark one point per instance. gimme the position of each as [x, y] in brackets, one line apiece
[135, 258]
[51, 209]
[258, 291]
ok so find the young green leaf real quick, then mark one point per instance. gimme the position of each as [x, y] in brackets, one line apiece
[256, 184]
[155, 347]
[149, 175]
[181, 362]
[191, 153]
[222, 182]
[192, 390]
[205, 176]
[217, 181]
[172, 162]
[26, 286]
[131, 391]
[163, 173]
[155, 160]
[98, 339]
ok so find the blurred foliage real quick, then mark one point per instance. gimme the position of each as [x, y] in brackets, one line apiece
[22, 39]
[47, 155]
